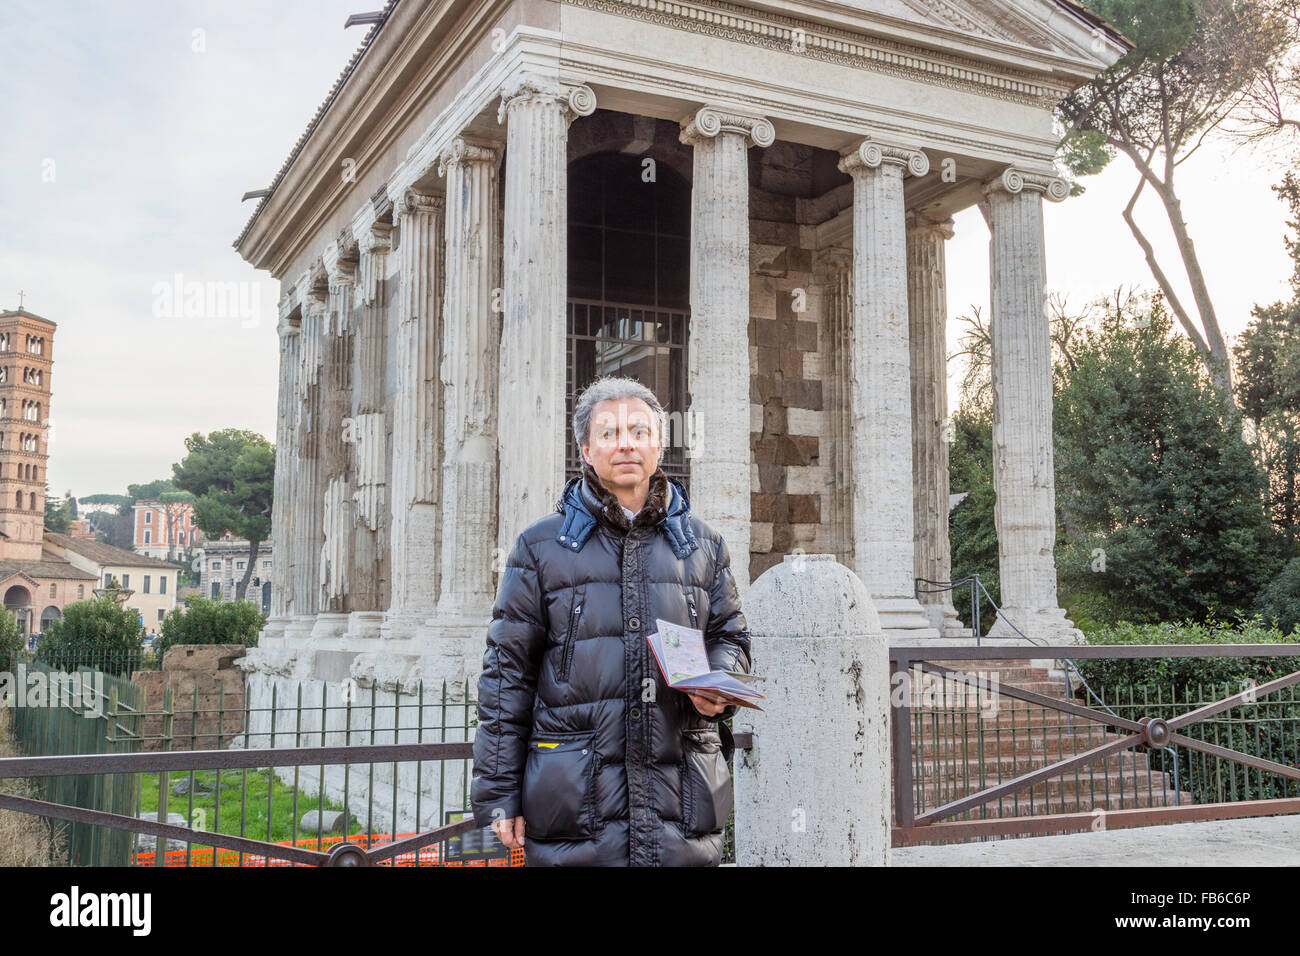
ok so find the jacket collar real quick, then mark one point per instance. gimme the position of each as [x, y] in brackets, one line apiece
[585, 502]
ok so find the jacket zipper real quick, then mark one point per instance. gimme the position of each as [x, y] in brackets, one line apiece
[694, 616]
[569, 639]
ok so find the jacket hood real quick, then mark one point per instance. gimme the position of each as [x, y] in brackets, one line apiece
[585, 502]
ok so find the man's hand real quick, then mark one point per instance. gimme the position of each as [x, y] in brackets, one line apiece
[706, 705]
[510, 831]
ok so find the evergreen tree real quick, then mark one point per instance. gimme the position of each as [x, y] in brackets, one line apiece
[1160, 493]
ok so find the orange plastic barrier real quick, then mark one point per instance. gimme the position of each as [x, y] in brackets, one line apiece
[426, 856]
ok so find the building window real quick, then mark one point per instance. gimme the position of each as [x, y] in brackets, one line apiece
[146, 537]
[216, 565]
[148, 517]
[146, 584]
[266, 564]
[81, 591]
[126, 581]
[239, 565]
[51, 589]
[162, 584]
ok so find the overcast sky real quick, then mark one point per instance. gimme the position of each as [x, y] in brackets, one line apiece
[129, 131]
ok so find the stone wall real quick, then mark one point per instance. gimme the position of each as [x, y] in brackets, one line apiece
[795, 506]
[208, 701]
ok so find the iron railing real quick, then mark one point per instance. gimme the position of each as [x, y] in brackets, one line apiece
[1108, 733]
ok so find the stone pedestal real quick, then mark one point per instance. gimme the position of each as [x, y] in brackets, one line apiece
[814, 790]
[884, 543]
[1023, 477]
[718, 350]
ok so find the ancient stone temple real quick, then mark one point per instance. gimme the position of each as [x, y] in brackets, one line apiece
[744, 205]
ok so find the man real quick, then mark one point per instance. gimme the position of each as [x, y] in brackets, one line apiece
[583, 755]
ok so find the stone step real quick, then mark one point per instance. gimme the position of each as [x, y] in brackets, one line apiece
[1057, 801]
[1007, 767]
[1060, 742]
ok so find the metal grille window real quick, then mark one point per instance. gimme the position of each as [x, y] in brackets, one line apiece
[629, 289]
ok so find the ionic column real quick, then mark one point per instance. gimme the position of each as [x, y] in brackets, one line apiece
[927, 304]
[308, 491]
[1023, 480]
[336, 406]
[368, 437]
[532, 368]
[469, 380]
[286, 431]
[718, 349]
[882, 401]
[417, 415]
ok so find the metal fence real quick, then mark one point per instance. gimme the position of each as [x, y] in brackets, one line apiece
[983, 749]
[196, 781]
[65, 712]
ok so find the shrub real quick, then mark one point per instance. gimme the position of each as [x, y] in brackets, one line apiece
[11, 641]
[1280, 601]
[205, 621]
[97, 633]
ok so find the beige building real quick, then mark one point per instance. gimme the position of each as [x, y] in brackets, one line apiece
[151, 581]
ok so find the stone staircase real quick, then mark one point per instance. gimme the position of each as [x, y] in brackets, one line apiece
[969, 739]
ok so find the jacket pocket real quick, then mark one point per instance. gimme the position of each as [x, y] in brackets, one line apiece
[558, 788]
[706, 783]
[566, 656]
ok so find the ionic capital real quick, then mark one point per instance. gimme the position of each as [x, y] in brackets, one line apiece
[378, 241]
[464, 152]
[709, 121]
[532, 89]
[343, 275]
[872, 154]
[1015, 180]
[413, 202]
[920, 225]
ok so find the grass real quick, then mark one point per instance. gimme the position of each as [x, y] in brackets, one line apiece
[239, 806]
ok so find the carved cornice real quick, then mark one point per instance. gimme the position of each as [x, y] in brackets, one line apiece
[870, 154]
[710, 121]
[820, 41]
[1015, 180]
[531, 89]
[462, 152]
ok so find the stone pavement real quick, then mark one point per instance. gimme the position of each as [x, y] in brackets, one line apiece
[1258, 841]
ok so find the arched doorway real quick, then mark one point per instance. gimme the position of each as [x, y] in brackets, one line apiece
[629, 287]
[51, 613]
[18, 601]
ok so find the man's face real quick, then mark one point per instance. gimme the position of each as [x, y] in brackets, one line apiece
[623, 444]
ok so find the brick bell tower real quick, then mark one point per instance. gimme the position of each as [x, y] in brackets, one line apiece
[26, 357]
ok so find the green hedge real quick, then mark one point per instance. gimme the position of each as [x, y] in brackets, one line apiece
[1167, 687]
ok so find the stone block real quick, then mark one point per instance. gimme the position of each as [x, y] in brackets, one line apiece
[773, 419]
[797, 450]
[763, 449]
[762, 508]
[803, 509]
[760, 536]
[805, 335]
[802, 393]
[771, 478]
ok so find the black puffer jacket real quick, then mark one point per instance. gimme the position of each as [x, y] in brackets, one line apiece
[578, 732]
